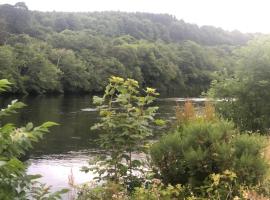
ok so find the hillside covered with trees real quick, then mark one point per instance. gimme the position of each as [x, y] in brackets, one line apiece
[56, 52]
[219, 150]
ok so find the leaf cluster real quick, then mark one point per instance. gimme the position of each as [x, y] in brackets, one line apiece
[15, 142]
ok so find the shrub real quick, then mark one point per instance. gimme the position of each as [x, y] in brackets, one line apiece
[191, 154]
[125, 124]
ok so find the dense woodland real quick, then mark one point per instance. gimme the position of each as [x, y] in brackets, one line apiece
[220, 152]
[55, 52]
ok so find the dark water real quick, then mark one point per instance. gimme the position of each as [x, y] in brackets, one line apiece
[68, 146]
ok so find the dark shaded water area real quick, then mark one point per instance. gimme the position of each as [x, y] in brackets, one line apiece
[70, 145]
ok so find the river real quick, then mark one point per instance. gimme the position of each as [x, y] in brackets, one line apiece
[68, 146]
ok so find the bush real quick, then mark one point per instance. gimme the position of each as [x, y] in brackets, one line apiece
[126, 122]
[198, 149]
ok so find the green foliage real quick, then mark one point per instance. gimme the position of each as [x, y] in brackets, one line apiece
[14, 142]
[78, 52]
[158, 190]
[140, 26]
[191, 154]
[42, 191]
[34, 66]
[244, 92]
[108, 191]
[222, 186]
[74, 74]
[11, 108]
[216, 187]
[126, 120]
[4, 84]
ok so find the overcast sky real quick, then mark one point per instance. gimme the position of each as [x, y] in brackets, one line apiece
[243, 15]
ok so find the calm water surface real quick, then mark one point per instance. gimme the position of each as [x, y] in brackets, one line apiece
[68, 146]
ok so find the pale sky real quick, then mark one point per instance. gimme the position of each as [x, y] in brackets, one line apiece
[243, 15]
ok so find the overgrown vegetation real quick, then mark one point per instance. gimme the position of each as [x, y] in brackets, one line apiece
[204, 157]
[201, 148]
[210, 155]
[244, 92]
[14, 142]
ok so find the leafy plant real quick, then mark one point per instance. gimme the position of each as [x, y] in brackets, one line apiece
[126, 120]
[106, 191]
[157, 190]
[191, 154]
[14, 142]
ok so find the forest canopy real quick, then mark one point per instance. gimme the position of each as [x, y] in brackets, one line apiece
[55, 52]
